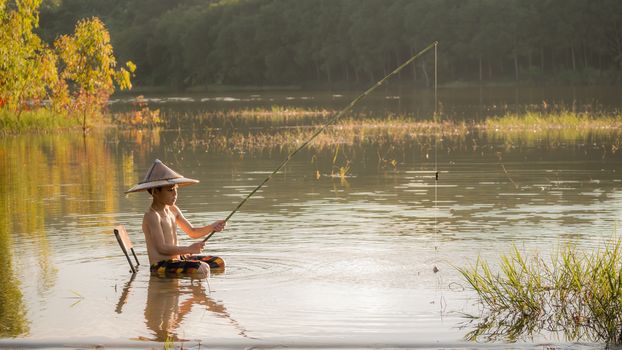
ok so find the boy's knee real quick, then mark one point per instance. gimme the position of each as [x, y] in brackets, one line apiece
[203, 271]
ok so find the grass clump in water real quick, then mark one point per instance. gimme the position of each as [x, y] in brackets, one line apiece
[280, 111]
[274, 113]
[576, 294]
[40, 119]
[537, 121]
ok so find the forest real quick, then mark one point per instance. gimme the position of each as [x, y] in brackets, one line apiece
[203, 43]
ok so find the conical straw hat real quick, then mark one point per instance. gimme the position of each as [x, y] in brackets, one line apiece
[161, 175]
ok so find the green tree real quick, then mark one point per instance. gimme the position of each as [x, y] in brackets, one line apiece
[28, 66]
[606, 38]
[202, 42]
[89, 68]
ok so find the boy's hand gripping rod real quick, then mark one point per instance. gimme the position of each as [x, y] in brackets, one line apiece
[327, 124]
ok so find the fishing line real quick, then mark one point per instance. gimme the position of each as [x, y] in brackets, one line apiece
[437, 137]
[437, 121]
[327, 124]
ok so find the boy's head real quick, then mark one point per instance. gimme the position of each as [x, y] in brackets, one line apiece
[158, 189]
[164, 194]
[154, 190]
[159, 177]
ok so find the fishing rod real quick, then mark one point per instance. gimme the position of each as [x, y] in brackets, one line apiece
[327, 124]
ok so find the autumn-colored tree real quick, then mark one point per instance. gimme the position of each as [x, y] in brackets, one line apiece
[78, 76]
[28, 66]
[88, 69]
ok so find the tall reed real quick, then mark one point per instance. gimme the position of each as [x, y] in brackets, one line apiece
[576, 293]
[536, 121]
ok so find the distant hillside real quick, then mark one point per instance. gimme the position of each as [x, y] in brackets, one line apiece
[189, 43]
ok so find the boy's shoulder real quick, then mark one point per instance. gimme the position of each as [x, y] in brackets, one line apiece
[174, 209]
[151, 215]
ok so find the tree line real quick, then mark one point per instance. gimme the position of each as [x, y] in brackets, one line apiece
[191, 43]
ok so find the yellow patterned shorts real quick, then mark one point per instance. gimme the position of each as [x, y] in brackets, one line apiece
[187, 265]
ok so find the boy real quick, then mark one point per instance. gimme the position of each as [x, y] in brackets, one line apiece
[160, 222]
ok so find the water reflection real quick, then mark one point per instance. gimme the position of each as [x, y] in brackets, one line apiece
[49, 186]
[170, 300]
[378, 227]
[52, 174]
[13, 320]
[524, 327]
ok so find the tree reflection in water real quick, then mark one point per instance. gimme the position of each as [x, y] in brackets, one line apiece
[13, 320]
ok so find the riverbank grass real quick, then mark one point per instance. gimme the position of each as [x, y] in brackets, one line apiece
[575, 293]
[35, 120]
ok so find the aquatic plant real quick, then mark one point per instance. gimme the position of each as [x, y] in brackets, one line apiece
[273, 114]
[559, 120]
[142, 116]
[279, 112]
[39, 119]
[577, 294]
[553, 128]
[169, 343]
[347, 132]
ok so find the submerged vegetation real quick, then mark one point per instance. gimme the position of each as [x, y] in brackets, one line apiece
[346, 132]
[269, 128]
[537, 121]
[277, 112]
[574, 293]
[141, 116]
[532, 128]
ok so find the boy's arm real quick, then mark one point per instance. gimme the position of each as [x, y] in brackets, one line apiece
[157, 238]
[196, 232]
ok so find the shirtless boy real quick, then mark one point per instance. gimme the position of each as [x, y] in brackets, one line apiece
[160, 222]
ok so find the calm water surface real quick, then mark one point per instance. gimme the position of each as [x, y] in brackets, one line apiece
[312, 260]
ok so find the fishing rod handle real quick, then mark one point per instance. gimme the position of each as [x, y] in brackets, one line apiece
[212, 233]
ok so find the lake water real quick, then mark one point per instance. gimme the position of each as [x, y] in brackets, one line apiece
[314, 259]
